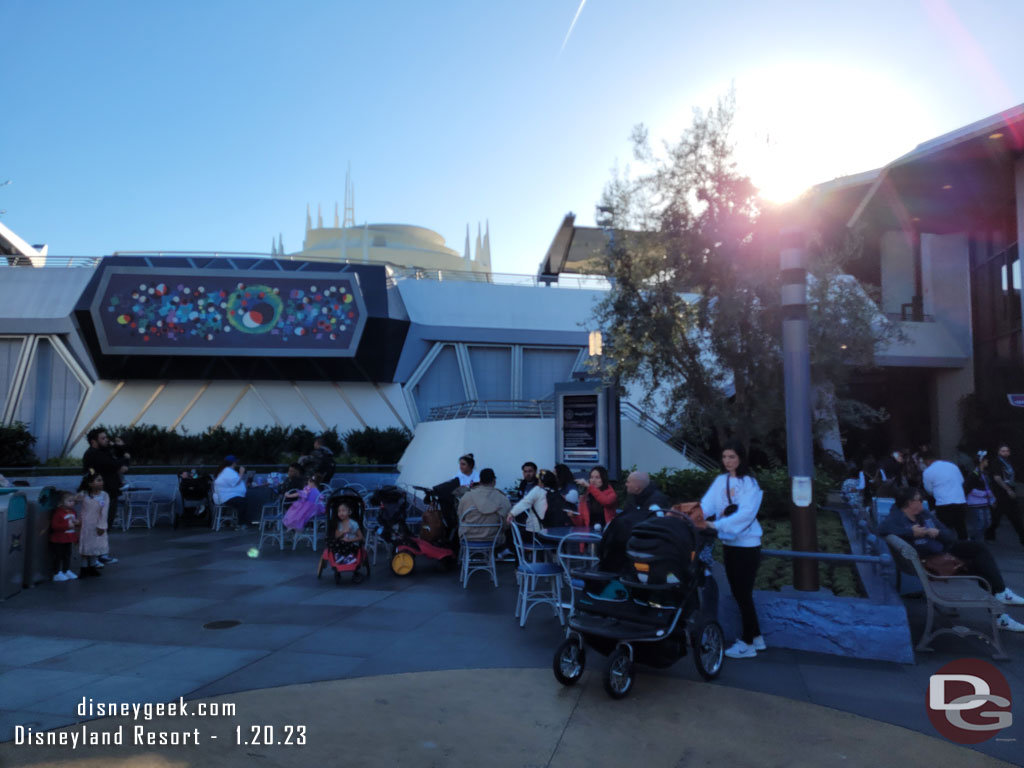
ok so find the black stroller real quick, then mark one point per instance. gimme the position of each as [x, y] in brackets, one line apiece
[648, 614]
[196, 504]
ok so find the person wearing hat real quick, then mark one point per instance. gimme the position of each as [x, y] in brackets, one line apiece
[229, 487]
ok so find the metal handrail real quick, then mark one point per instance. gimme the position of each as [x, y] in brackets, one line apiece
[494, 409]
[690, 452]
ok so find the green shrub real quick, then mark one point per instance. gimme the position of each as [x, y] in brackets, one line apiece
[149, 444]
[16, 446]
[379, 446]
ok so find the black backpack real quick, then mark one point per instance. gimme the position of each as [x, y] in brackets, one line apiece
[557, 515]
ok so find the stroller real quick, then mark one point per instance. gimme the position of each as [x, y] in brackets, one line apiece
[353, 561]
[195, 499]
[393, 518]
[649, 613]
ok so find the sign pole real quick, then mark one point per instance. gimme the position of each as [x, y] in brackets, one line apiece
[797, 371]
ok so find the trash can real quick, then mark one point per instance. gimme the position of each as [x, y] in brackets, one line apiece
[13, 507]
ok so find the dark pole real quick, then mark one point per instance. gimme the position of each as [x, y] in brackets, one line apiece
[797, 368]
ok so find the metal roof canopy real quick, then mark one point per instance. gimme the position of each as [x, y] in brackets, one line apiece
[952, 183]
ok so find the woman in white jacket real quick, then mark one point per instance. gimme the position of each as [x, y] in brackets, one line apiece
[731, 506]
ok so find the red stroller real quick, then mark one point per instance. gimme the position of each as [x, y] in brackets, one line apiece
[349, 557]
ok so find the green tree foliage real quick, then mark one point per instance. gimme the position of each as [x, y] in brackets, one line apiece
[693, 316]
[16, 446]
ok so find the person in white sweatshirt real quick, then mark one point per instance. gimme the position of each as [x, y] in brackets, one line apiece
[730, 506]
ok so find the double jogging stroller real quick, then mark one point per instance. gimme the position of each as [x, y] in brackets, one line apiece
[438, 539]
[647, 614]
[345, 556]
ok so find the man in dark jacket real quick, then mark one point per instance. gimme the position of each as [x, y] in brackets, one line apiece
[643, 497]
[109, 461]
[320, 461]
[642, 494]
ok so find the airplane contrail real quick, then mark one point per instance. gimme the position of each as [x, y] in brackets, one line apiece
[571, 26]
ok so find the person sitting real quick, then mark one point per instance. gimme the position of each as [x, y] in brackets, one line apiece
[928, 536]
[483, 504]
[229, 487]
[531, 509]
[304, 504]
[599, 499]
[642, 494]
[467, 474]
[643, 501]
[529, 481]
[295, 481]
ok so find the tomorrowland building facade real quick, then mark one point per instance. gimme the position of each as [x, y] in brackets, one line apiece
[385, 325]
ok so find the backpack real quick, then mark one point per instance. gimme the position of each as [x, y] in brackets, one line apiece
[432, 526]
[557, 515]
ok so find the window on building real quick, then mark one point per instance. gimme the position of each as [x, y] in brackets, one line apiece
[492, 372]
[543, 368]
[441, 384]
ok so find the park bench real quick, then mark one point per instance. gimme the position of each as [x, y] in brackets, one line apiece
[948, 593]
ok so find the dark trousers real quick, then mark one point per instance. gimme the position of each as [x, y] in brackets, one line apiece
[112, 510]
[1010, 508]
[61, 556]
[953, 516]
[240, 506]
[741, 570]
[980, 563]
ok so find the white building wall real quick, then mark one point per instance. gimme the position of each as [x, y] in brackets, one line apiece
[897, 262]
[504, 444]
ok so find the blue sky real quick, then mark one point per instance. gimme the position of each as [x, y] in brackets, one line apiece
[210, 125]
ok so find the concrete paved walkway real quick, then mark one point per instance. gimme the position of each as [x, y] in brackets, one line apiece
[419, 671]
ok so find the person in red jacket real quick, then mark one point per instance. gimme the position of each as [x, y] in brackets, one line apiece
[63, 533]
[598, 499]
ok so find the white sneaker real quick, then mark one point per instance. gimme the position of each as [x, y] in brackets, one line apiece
[59, 576]
[1009, 597]
[70, 575]
[740, 650]
[98, 563]
[1005, 622]
[760, 644]
[107, 559]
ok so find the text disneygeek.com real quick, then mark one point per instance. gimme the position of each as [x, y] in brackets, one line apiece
[99, 734]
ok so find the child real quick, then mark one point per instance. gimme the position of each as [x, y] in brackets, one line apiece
[344, 543]
[304, 504]
[93, 505]
[63, 533]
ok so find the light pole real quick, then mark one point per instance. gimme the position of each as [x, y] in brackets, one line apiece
[797, 373]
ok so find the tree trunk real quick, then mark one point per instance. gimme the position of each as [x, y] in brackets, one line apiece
[826, 422]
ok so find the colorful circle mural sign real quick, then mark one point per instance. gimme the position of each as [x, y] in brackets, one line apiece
[212, 312]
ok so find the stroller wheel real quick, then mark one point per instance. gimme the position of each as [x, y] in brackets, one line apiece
[570, 659]
[402, 563]
[618, 676]
[320, 566]
[357, 576]
[708, 649]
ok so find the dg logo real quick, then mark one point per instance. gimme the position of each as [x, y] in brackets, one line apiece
[969, 701]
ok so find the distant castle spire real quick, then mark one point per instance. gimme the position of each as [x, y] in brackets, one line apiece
[479, 244]
[350, 199]
[319, 217]
[273, 247]
[466, 255]
[335, 214]
[487, 243]
[280, 244]
[309, 223]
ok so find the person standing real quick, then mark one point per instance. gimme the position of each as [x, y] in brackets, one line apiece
[1004, 487]
[109, 460]
[945, 483]
[980, 498]
[730, 507]
[94, 543]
